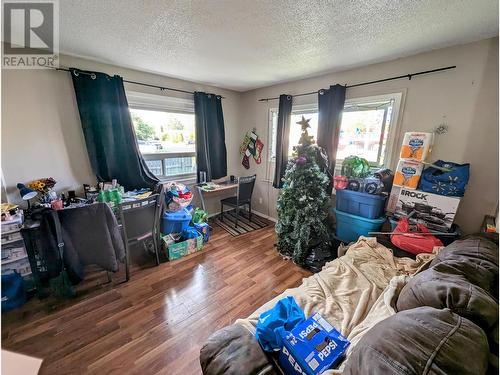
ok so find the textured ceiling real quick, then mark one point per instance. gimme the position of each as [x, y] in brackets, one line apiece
[241, 44]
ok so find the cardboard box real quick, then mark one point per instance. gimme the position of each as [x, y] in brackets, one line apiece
[408, 173]
[204, 230]
[180, 249]
[436, 211]
[416, 145]
[312, 347]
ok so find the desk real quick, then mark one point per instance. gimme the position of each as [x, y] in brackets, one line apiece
[217, 187]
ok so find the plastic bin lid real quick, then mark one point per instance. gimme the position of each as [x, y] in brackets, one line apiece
[361, 194]
[360, 218]
[177, 216]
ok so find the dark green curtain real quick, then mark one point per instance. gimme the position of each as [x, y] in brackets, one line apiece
[282, 139]
[211, 156]
[108, 130]
[330, 107]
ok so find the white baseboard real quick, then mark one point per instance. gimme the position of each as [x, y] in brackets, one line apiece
[265, 216]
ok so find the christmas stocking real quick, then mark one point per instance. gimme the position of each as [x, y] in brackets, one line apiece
[246, 162]
[244, 144]
[251, 147]
[258, 151]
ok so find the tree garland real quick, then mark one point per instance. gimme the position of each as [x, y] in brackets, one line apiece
[303, 202]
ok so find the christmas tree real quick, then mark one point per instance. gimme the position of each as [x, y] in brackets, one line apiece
[303, 203]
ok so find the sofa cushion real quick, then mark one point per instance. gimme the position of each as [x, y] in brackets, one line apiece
[446, 290]
[424, 340]
[479, 275]
[234, 350]
[475, 258]
[475, 247]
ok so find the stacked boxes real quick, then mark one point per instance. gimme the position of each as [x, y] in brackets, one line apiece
[435, 211]
[358, 214]
[14, 255]
[174, 225]
[415, 149]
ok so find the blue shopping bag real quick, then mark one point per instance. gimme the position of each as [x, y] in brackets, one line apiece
[451, 183]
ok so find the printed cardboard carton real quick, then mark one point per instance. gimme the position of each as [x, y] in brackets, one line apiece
[312, 347]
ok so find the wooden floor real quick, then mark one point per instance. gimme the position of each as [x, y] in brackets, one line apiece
[157, 322]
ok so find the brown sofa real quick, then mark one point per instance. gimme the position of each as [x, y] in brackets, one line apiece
[447, 323]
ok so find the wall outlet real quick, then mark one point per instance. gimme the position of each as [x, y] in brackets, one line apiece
[260, 200]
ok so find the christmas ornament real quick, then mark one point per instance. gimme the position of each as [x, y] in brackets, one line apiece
[301, 160]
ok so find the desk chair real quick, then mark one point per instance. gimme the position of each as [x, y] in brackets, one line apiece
[140, 221]
[243, 197]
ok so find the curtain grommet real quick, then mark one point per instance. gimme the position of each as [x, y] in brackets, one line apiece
[93, 75]
[75, 73]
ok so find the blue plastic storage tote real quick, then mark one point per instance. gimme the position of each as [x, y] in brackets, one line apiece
[350, 227]
[361, 204]
[175, 222]
[13, 292]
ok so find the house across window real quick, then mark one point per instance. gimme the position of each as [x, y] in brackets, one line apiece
[166, 141]
[366, 128]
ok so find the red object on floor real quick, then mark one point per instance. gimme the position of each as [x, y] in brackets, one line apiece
[414, 243]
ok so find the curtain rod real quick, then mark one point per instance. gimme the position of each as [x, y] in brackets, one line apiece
[162, 88]
[409, 76]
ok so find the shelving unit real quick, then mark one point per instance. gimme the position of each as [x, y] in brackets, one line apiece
[14, 255]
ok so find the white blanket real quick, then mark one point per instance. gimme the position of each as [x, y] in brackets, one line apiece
[353, 292]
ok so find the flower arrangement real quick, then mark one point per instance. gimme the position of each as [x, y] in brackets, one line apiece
[44, 186]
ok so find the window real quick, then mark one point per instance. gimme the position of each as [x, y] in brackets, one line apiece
[367, 128]
[364, 131]
[165, 133]
[309, 112]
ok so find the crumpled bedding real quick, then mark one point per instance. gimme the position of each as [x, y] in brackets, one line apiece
[353, 292]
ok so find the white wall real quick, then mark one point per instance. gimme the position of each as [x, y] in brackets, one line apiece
[41, 129]
[466, 99]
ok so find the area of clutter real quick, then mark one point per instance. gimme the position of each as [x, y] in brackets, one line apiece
[420, 198]
[28, 268]
[184, 229]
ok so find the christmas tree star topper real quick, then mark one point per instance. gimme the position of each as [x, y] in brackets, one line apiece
[304, 123]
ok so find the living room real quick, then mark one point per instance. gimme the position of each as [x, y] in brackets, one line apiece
[208, 162]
